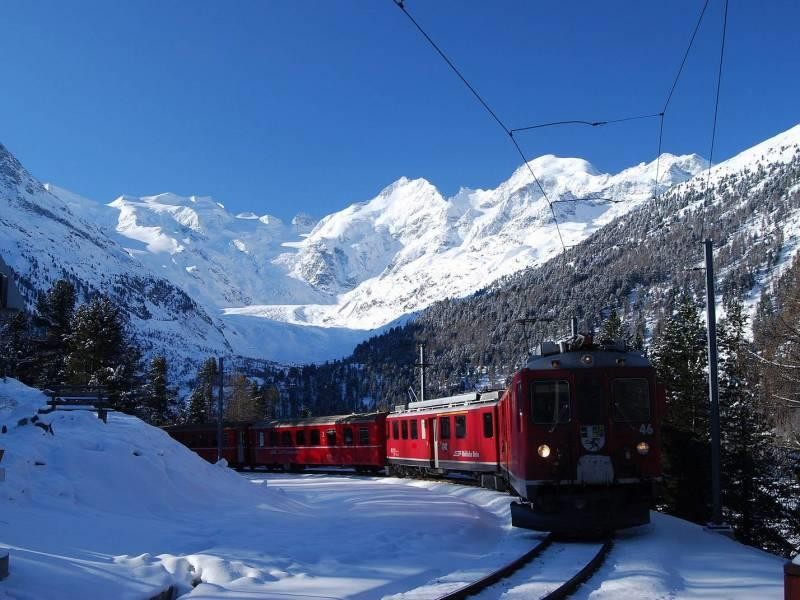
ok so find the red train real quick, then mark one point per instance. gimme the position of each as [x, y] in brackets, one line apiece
[355, 441]
[575, 436]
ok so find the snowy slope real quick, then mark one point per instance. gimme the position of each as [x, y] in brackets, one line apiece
[44, 237]
[119, 510]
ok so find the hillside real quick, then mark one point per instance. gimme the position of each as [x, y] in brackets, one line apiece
[634, 264]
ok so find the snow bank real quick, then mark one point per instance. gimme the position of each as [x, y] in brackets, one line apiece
[121, 511]
[76, 502]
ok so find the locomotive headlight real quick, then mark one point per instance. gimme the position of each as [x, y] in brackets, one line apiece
[543, 450]
[643, 448]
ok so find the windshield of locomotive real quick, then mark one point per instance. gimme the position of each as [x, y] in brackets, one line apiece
[631, 400]
[550, 402]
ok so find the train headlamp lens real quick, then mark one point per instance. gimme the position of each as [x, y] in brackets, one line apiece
[544, 450]
[643, 448]
[586, 359]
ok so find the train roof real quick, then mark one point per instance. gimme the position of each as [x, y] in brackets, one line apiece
[581, 352]
[316, 421]
[205, 426]
[461, 400]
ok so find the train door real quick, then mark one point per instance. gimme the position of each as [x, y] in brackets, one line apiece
[433, 439]
[240, 447]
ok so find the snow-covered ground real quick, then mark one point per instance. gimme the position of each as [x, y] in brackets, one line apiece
[119, 510]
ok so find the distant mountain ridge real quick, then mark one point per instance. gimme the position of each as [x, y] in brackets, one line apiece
[200, 280]
[372, 262]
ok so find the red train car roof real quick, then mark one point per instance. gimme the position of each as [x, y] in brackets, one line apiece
[462, 401]
[320, 421]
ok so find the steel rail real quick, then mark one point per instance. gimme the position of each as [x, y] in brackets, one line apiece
[563, 591]
[569, 587]
[492, 578]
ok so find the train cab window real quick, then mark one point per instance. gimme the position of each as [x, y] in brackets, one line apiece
[348, 436]
[330, 437]
[286, 438]
[461, 426]
[273, 437]
[444, 426]
[414, 432]
[261, 439]
[630, 400]
[395, 430]
[591, 399]
[363, 435]
[488, 426]
[300, 437]
[315, 437]
[404, 429]
[550, 402]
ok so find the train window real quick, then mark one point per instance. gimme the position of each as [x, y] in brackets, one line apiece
[395, 430]
[286, 438]
[300, 437]
[461, 426]
[273, 437]
[414, 432]
[404, 427]
[631, 400]
[261, 439]
[550, 402]
[363, 435]
[444, 425]
[591, 399]
[348, 436]
[330, 437]
[315, 437]
[488, 428]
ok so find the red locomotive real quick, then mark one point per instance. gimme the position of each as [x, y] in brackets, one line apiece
[581, 438]
[576, 436]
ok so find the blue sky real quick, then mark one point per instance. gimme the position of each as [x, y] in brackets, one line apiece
[281, 107]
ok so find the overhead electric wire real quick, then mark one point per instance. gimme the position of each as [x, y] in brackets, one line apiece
[672, 91]
[510, 132]
[401, 5]
[581, 122]
[716, 101]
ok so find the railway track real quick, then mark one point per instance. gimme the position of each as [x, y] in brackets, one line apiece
[531, 584]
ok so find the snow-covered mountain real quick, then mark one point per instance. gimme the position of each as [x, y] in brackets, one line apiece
[255, 286]
[325, 285]
[43, 238]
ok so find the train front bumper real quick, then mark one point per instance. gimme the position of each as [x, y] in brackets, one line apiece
[582, 510]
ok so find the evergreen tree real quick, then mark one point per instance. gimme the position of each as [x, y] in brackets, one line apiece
[100, 352]
[54, 313]
[202, 397]
[159, 402]
[750, 481]
[15, 348]
[240, 406]
[680, 359]
[258, 400]
[611, 329]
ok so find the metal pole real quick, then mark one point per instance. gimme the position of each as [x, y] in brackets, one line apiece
[713, 387]
[219, 411]
[574, 323]
[422, 366]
